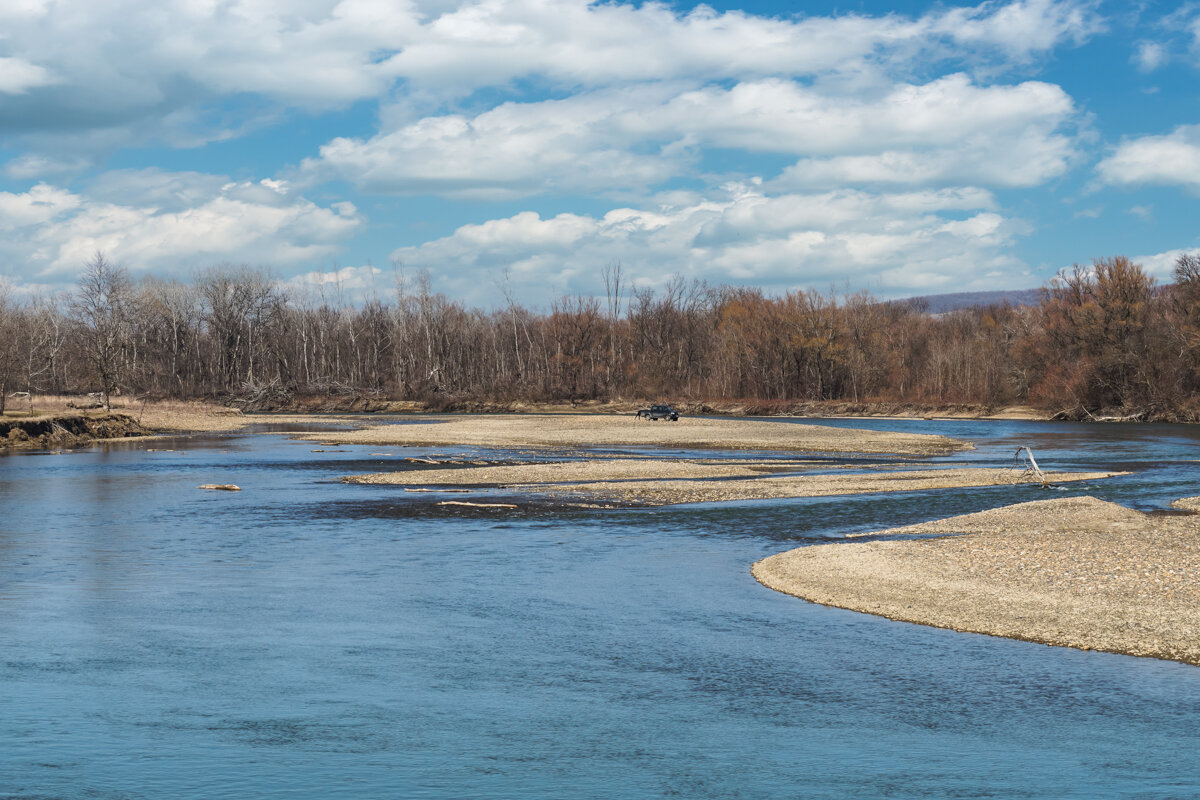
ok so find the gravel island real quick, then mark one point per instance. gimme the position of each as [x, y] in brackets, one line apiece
[1077, 572]
[581, 431]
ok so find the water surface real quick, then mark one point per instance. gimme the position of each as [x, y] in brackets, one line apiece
[306, 638]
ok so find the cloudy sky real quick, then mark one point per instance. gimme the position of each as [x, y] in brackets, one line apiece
[901, 148]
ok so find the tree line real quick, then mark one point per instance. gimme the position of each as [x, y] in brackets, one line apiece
[1104, 339]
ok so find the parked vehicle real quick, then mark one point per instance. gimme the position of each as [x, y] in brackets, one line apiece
[658, 412]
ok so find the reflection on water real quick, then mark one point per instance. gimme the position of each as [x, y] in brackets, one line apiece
[308, 638]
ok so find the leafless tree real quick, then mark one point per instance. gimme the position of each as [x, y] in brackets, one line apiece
[101, 305]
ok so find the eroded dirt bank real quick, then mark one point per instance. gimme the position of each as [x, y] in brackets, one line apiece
[66, 430]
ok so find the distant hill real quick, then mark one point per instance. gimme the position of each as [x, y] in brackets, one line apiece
[943, 303]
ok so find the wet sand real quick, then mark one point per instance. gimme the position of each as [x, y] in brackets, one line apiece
[579, 431]
[655, 482]
[1077, 572]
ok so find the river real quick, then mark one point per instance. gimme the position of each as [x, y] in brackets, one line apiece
[307, 638]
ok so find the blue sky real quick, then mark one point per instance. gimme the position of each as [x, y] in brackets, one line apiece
[900, 148]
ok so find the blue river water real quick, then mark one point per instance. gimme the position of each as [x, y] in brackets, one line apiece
[308, 638]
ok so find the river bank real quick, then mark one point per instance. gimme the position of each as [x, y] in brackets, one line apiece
[449, 404]
[66, 430]
[1076, 572]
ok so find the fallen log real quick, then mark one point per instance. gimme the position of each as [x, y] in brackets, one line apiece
[1032, 470]
[221, 487]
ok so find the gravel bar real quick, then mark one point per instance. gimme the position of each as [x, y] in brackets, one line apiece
[1077, 572]
[582, 431]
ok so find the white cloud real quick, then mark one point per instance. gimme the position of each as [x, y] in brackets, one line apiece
[39, 206]
[945, 131]
[1162, 265]
[1021, 28]
[580, 144]
[84, 65]
[18, 76]
[1149, 56]
[340, 285]
[54, 231]
[37, 165]
[594, 44]
[1171, 160]
[783, 116]
[891, 243]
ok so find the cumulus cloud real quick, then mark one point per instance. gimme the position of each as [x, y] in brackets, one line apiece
[1170, 160]
[946, 131]
[579, 144]
[340, 285]
[891, 243]
[1162, 265]
[500, 99]
[176, 223]
[590, 44]
[82, 65]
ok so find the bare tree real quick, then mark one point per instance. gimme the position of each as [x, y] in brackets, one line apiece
[9, 343]
[101, 306]
[239, 303]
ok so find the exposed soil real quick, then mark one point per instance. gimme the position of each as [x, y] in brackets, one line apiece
[66, 430]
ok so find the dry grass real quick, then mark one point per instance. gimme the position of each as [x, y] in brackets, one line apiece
[1077, 572]
[158, 415]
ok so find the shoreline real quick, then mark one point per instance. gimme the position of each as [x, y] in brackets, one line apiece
[180, 417]
[1075, 572]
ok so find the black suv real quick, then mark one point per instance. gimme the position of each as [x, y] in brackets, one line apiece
[658, 412]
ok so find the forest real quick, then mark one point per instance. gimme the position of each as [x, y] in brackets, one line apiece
[1104, 341]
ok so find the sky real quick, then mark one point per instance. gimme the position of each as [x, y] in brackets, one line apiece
[522, 148]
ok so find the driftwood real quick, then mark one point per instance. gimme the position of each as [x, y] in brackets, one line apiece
[475, 505]
[416, 460]
[222, 487]
[1031, 469]
[1081, 413]
[455, 491]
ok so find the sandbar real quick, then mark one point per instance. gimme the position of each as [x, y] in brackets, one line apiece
[565, 431]
[555, 472]
[1076, 572]
[655, 482]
